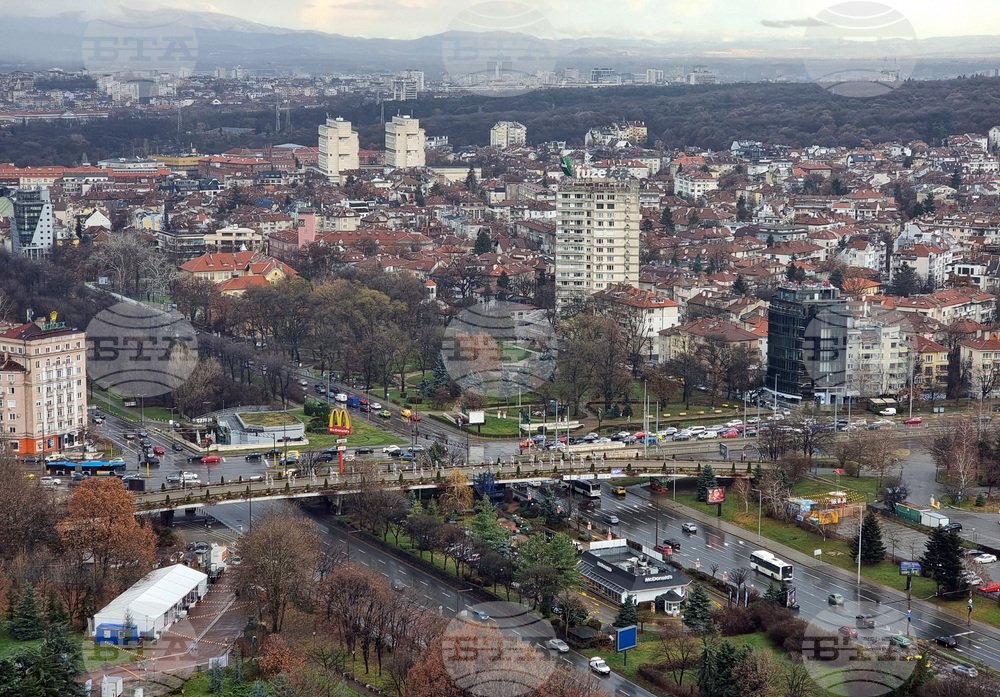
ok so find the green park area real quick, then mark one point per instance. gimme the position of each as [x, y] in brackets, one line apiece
[365, 433]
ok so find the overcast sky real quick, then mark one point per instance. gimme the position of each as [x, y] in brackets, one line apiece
[657, 19]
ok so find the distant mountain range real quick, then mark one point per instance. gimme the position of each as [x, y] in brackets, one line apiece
[225, 41]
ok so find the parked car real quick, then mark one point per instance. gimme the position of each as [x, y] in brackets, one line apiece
[708, 435]
[390, 449]
[957, 527]
[689, 528]
[681, 435]
[900, 640]
[985, 558]
[253, 457]
[599, 666]
[695, 430]
[731, 433]
[947, 641]
[966, 670]
[991, 587]
[913, 421]
[558, 645]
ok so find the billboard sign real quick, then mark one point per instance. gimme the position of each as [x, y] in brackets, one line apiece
[477, 417]
[340, 422]
[909, 568]
[716, 495]
[626, 638]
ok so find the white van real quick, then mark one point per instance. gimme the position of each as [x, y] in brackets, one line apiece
[888, 411]
[695, 430]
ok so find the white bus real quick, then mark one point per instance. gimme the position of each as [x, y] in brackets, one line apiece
[590, 489]
[766, 563]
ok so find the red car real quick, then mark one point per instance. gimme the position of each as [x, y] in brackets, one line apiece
[913, 421]
[211, 459]
[664, 549]
[991, 587]
[731, 433]
[159, 450]
[850, 632]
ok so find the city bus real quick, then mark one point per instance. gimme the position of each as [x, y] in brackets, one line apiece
[89, 468]
[590, 489]
[764, 562]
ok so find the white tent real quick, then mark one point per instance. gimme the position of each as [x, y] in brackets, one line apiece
[152, 604]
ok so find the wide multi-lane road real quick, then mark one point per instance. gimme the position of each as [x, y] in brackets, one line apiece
[716, 542]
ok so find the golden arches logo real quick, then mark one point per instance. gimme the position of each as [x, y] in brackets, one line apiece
[340, 422]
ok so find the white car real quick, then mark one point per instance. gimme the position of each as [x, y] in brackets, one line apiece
[50, 481]
[693, 430]
[340, 397]
[558, 645]
[667, 432]
[985, 558]
[734, 422]
[390, 449]
[598, 665]
[707, 435]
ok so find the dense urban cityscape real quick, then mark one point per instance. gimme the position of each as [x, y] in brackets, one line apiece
[452, 365]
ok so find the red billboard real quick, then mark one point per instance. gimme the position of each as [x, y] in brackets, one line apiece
[716, 495]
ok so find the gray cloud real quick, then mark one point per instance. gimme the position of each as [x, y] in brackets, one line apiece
[786, 23]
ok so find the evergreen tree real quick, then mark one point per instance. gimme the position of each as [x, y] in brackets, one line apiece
[943, 560]
[706, 481]
[215, 679]
[956, 179]
[418, 197]
[770, 239]
[740, 286]
[791, 273]
[503, 280]
[872, 548]
[757, 477]
[906, 281]
[259, 689]
[837, 278]
[929, 204]
[717, 669]
[775, 594]
[696, 266]
[667, 219]
[545, 179]
[236, 666]
[697, 614]
[837, 187]
[281, 687]
[440, 376]
[55, 611]
[26, 623]
[483, 243]
[742, 210]
[471, 183]
[628, 613]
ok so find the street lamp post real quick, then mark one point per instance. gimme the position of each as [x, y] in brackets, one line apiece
[142, 410]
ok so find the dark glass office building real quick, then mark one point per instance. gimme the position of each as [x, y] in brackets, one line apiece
[807, 343]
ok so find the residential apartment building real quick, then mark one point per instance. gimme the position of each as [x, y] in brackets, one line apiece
[235, 273]
[652, 313]
[33, 227]
[982, 356]
[688, 337]
[597, 237]
[694, 185]
[878, 357]
[508, 134]
[404, 143]
[43, 377]
[931, 364]
[807, 343]
[338, 149]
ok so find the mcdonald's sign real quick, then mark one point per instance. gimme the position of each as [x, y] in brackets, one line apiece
[340, 422]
